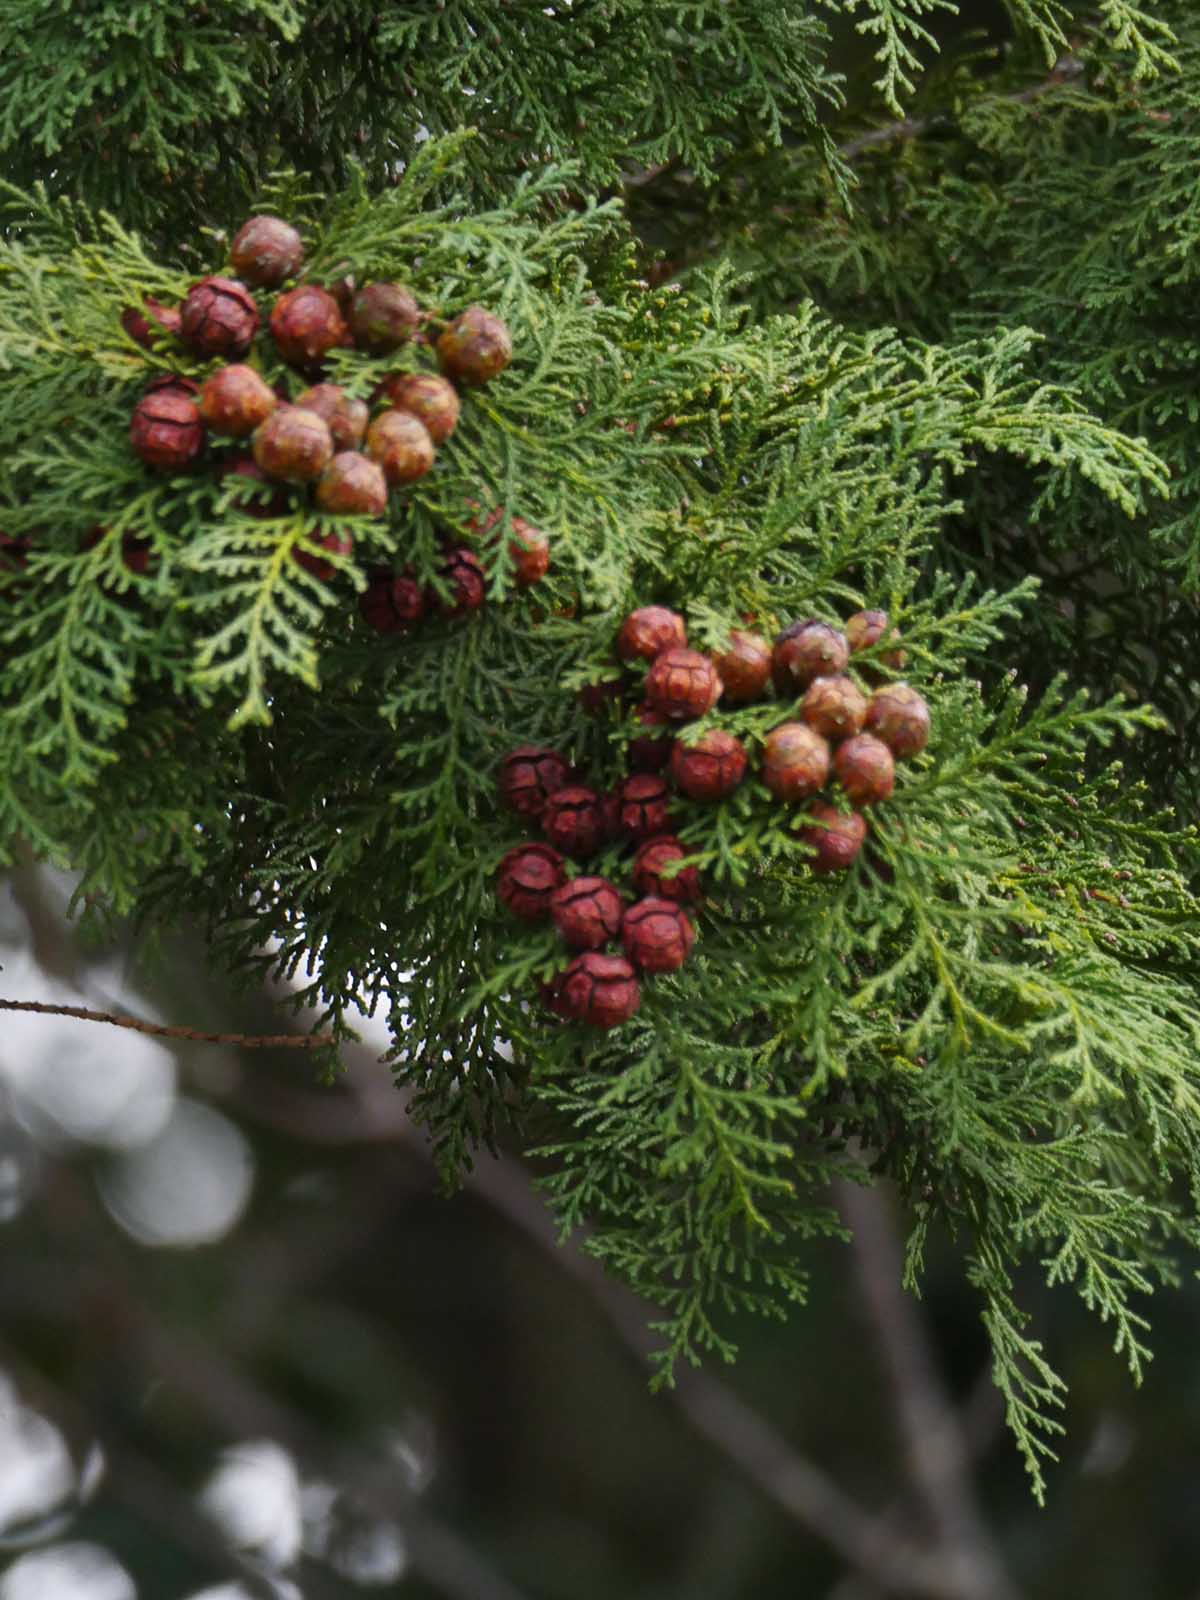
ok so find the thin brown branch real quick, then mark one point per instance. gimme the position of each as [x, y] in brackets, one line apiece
[250, 1041]
[796, 1485]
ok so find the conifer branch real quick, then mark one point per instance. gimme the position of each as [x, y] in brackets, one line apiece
[249, 1041]
[820, 464]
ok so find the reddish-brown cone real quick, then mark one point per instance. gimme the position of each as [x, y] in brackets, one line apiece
[352, 486]
[294, 445]
[466, 581]
[648, 631]
[866, 628]
[529, 551]
[235, 400]
[475, 347]
[343, 290]
[587, 912]
[346, 419]
[745, 668]
[597, 698]
[528, 776]
[401, 445]
[682, 684]
[136, 554]
[834, 707]
[838, 842]
[306, 325]
[265, 251]
[644, 800]
[166, 429]
[428, 397]
[649, 752]
[597, 989]
[219, 318]
[711, 768]
[528, 547]
[611, 806]
[864, 768]
[795, 761]
[807, 650]
[256, 504]
[383, 317]
[899, 716]
[155, 321]
[14, 552]
[651, 878]
[391, 602]
[573, 820]
[657, 935]
[526, 880]
[337, 542]
[174, 383]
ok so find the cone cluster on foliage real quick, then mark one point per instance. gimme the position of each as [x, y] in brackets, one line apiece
[802, 399]
[323, 437]
[838, 731]
[655, 933]
[394, 602]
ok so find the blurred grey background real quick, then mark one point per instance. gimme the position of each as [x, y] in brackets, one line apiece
[248, 1349]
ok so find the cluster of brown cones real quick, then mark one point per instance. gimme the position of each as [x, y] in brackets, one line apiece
[655, 934]
[322, 437]
[834, 730]
[393, 602]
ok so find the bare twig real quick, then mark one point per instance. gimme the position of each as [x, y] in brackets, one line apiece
[249, 1041]
[806, 1494]
[981, 1418]
[931, 1430]
[874, 1547]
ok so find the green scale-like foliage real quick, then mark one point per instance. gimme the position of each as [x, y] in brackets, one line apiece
[993, 1004]
[171, 113]
[208, 100]
[1066, 203]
